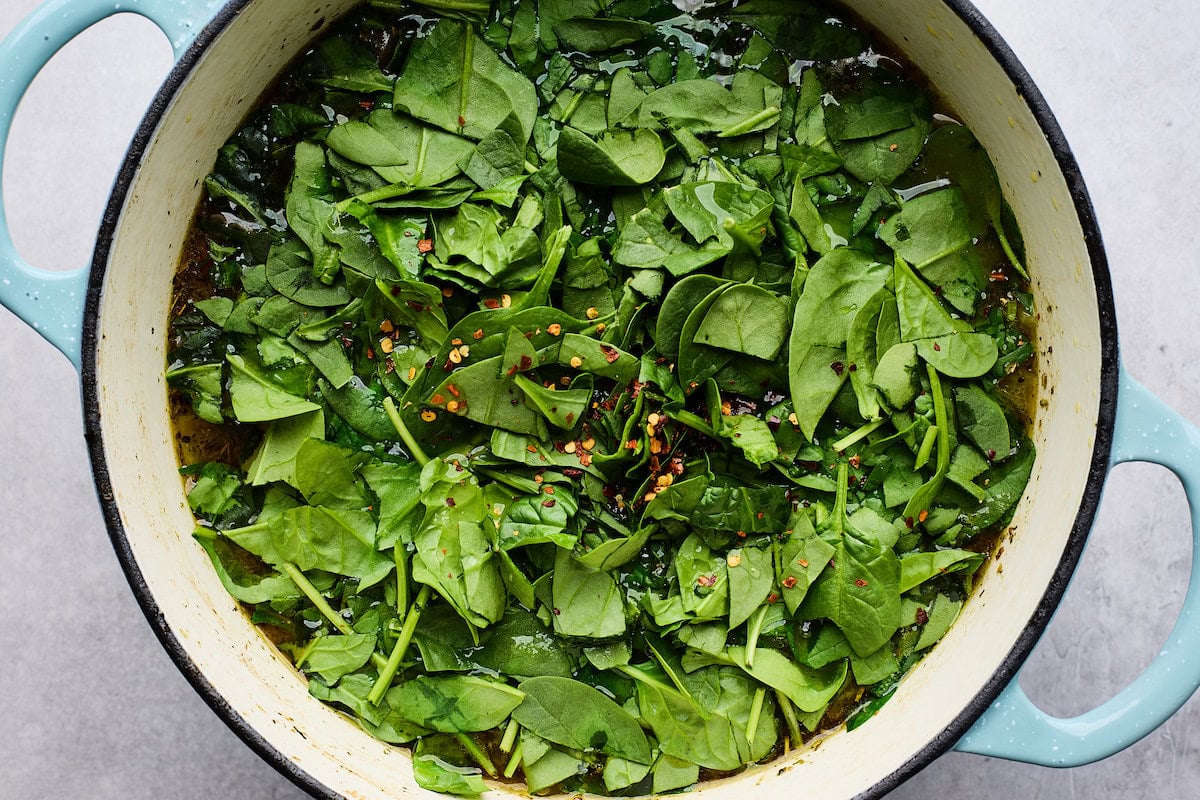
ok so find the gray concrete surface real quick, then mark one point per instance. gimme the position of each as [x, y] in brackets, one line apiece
[90, 706]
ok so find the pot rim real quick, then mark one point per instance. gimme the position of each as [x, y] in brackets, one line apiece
[938, 745]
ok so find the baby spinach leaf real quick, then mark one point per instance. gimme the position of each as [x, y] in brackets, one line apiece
[982, 420]
[333, 657]
[859, 591]
[290, 272]
[587, 602]
[616, 158]
[455, 81]
[700, 106]
[521, 646]
[598, 35]
[257, 399]
[616, 552]
[457, 703]
[745, 319]
[238, 577]
[916, 568]
[751, 576]
[836, 288]
[802, 559]
[436, 775]
[202, 383]
[752, 436]
[575, 715]
[312, 537]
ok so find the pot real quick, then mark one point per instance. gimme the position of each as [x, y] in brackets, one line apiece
[109, 321]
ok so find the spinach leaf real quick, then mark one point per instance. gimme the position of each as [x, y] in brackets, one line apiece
[457, 703]
[616, 158]
[575, 715]
[455, 81]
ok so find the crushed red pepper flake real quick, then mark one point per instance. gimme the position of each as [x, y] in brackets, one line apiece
[859, 582]
[922, 616]
[789, 581]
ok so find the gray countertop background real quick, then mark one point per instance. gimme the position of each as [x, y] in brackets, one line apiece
[90, 705]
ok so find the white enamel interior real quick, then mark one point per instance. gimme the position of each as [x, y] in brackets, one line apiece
[262, 688]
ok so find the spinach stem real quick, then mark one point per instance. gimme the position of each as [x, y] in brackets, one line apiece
[856, 436]
[511, 768]
[667, 668]
[641, 677]
[401, 578]
[465, 78]
[406, 633]
[734, 230]
[753, 630]
[376, 195]
[510, 735]
[308, 648]
[1007, 248]
[316, 598]
[750, 123]
[477, 753]
[321, 604]
[406, 436]
[789, 717]
[931, 437]
[760, 694]
[839, 505]
[694, 421]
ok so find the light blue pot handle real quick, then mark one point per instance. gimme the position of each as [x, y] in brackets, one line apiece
[52, 302]
[1013, 728]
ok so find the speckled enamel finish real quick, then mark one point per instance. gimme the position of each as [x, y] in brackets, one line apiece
[261, 697]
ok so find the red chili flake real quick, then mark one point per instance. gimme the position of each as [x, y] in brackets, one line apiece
[451, 502]
[998, 275]
[526, 363]
[462, 123]
[370, 354]
[759, 515]
[859, 582]
[854, 367]
[585, 459]
[837, 367]
[610, 353]
[492, 303]
[438, 400]
[477, 335]
[511, 371]
[557, 612]
[707, 581]
[415, 306]
[389, 367]
[922, 616]
[856, 461]
[631, 444]
[789, 581]
[741, 534]
[991, 455]
[571, 472]
[802, 562]
[908, 522]
[937, 347]
[424, 245]
[366, 105]
[570, 418]
[547, 489]
[452, 389]
[549, 503]
[772, 599]
[924, 515]
[346, 341]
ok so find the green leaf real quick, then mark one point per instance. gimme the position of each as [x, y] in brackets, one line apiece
[752, 436]
[311, 537]
[333, 657]
[575, 715]
[916, 568]
[751, 576]
[982, 420]
[257, 399]
[745, 319]
[616, 158]
[457, 703]
[436, 775]
[455, 81]
[588, 604]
